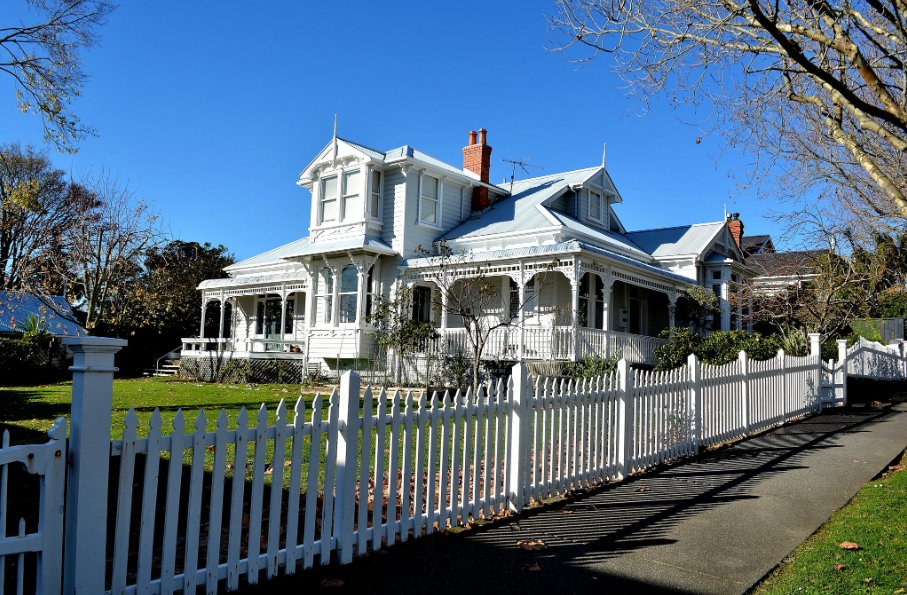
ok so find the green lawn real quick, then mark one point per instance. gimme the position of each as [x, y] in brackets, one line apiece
[875, 520]
[28, 411]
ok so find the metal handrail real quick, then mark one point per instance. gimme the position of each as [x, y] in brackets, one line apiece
[157, 362]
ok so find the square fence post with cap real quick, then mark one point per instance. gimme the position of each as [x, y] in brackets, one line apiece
[347, 457]
[815, 352]
[85, 540]
[518, 430]
[841, 373]
[624, 419]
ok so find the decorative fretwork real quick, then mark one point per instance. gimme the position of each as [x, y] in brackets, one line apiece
[634, 280]
[216, 294]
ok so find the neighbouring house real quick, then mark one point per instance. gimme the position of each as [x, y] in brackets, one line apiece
[17, 306]
[375, 219]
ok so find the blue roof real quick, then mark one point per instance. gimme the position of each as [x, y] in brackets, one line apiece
[522, 211]
[274, 255]
[361, 243]
[676, 241]
[16, 306]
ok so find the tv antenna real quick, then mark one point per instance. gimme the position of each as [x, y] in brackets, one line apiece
[523, 164]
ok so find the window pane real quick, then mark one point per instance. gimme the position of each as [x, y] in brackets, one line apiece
[428, 211]
[329, 188]
[595, 205]
[348, 307]
[260, 318]
[327, 281]
[349, 279]
[373, 206]
[327, 306]
[376, 182]
[329, 210]
[430, 187]
[352, 208]
[351, 183]
[422, 304]
[288, 327]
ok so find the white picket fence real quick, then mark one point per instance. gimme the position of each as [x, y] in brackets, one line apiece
[874, 360]
[355, 471]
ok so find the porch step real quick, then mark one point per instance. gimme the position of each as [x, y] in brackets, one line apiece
[166, 370]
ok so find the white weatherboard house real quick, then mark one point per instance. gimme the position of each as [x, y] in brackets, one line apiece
[372, 211]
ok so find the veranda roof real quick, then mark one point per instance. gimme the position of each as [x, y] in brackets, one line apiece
[572, 246]
[298, 276]
[367, 244]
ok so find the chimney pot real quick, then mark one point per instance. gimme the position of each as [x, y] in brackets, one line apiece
[472, 137]
[482, 133]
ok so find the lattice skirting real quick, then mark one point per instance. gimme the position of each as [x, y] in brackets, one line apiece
[243, 370]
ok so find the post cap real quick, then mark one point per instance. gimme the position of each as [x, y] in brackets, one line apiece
[96, 343]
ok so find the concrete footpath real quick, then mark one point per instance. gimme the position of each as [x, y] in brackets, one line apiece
[714, 524]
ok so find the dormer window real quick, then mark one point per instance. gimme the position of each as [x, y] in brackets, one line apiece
[595, 206]
[428, 203]
[352, 206]
[329, 199]
[375, 198]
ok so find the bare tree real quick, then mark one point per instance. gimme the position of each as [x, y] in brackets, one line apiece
[471, 290]
[43, 55]
[814, 91]
[101, 250]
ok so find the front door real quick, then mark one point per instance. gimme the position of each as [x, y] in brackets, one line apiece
[272, 324]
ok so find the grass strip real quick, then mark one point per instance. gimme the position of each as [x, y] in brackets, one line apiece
[876, 521]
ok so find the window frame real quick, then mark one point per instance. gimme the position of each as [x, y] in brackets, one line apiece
[438, 201]
[322, 199]
[345, 296]
[375, 193]
[598, 195]
[345, 195]
[324, 297]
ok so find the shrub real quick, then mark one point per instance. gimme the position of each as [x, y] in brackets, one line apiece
[33, 358]
[716, 348]
[592, 367]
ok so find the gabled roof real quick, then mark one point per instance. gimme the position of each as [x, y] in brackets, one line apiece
[756, 244]
[523, 210]
[271, 256]
[16, 306]
[607, 238]
[676, 241]
[785, 264]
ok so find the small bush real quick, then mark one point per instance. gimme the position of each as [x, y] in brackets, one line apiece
[716, 348]
[592, 367]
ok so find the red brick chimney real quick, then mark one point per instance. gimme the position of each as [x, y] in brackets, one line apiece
[477, 159]
[736, 227]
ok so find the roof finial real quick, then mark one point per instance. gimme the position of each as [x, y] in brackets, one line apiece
[335, 125]
[335, 138]
[604, 152]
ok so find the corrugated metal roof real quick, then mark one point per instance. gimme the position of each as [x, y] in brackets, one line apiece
[572, 246]
[16, 306]
[676, 241]
[274, 255]
[360, 243]
[520, 211]
[244, 281]
[373, 153]
[607, 238]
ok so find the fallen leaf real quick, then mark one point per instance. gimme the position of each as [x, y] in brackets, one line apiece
[268, 469]
[848, 545]
[332, 582]
[840, 567]
[515, 527]
[565, 511]
[867, 580]
[898, 592]
[534, 567]
[896, 468]
[287, 463]
[642, 489]
[532, 545]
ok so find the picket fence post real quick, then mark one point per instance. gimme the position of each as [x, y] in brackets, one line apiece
[85, 533]
[695, 401]
[815, 351]
[517, 430]
[744, 393]
[842, 375]
[347, 455]
[784, 387]
[625, 418]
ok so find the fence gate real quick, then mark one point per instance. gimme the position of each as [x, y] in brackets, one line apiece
[36, 534]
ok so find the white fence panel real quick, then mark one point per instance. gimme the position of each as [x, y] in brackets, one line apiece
[874, 360]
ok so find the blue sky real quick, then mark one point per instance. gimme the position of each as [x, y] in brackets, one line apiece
[211, 110]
